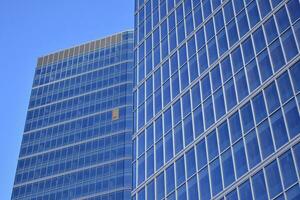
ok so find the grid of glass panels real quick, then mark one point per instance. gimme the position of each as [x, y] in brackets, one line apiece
[207, 75]
[72, 147]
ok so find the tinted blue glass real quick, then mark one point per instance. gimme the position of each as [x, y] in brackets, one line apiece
[226, 68]
[205, 85]
[232, 33]
[259, 108]
[216, 77]
[252, 149]
[227, 167]
[200, 38]
[151, 190]
[279, 129]
[273, 179]
[181, 32]
[222, 42]
[237, 60]
[193, 68]
[201, 154]
[270, 30]
[208, 112]
[223, 135]
[235, 127]
[212, 145]
[285, 88]
[265, 139]
[242, 23]
[188, 130]
[247, 117]
[181, 192]
[141, 169]
[150, 162]
[174, 63]
[295, 71]
[196, 97]
[157, 79]
[282, 19]
[292, 118]
[228, 10]
[289, 44]
[264, 7]
[149, 86]
[264, 65]
[212, 50]
[216, 180]
[198, 121]
[238, 5]
[166, 92]
[159, 157]
[209, 29]
[167, 120]
[186, 104]
[232, 195]
[193, 188]
[276, 55]
[182, 55]
[150, 138]
[240, 158]
[252, 74]
[230, 94]
[259, 186]
[191, 46]
[180, 171]
[178, 138]
[203, 63]
[190, 162]
[160, 188]
[259, 40]
[158, 128]
[219, 103]
[206, 8]
[184, 77]
[245, 191]
[168, 146]
[288, 170]
[175, 85]
[198, 15]
[272, 97]
[204, 184]
[253, 13]
[165, 71]
[294, 192]
[176, 112]
[170, 179]
[241, 83]
[293, 8]
[141, 143]
[219, 20]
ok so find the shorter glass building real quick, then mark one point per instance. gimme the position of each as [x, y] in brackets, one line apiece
[77, 138]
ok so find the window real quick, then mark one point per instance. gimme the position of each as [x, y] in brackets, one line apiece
[232, 33]
[242, 23]
[232, 195]
[157, 79]
[279, 129]
[193, 68]
[205, 85]
[264, 65]
[167, 120]
[216, 180]
[252, 74]
[168, 146]
[180, 171]
[175, 85]
[228, 10]
[141, 143]
[235, 127]
[184, 77]
[226, 68]
[293, 7]
[273, 179]
[295, 71]
[252, 149]
[259, 107]
[190, 162]
[201, 154]
[265, 139]
[208, 112]
[222, 42]
[150, 190]
[223, 135]
[230, 94]
[188, 130]
[219, 103]
[237, 60]
[216, 78]
[150, 162]
[264, 7]
[204, 184]
[193, 188]
[196, 97]
[272, 97]
[292, 118]
[289, 45]
[209, 29]
[282, 19]
[182, 55]
[181, 192]
[240, 158]
[219, 20]
[253, 14]
[288, 170]
[170, 179]
[149, 132]
[245, 191]
[285, 88]
[259, 186]
[160, 188]
[227, 166]
[259, 40]
[247, 117]
[176, 112]
[212, 145]
[141, 169]
[198, 121]
[186, 104]
[158, 128]
[178, 138]
[200, 38]
[212, 50]
[202, 57]
[241, 83]
[159, 154]
[276, 55]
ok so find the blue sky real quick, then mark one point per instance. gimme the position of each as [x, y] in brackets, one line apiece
[29, 29]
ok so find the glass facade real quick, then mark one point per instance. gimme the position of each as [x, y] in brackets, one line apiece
[216, 99]
[77, 137]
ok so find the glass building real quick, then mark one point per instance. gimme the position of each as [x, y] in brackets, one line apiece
[216, 99]
[78, 131]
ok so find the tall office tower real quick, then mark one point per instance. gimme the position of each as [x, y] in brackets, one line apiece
[216, 99]
[77, 137]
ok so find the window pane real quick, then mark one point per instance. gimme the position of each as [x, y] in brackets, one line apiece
[294, 192]
[288, 170]
[245, 191]
[293, 7]
[219, 103]
[188, 130]
[180, 171]
[240, 159]
[204, 184]
[282, 19]
[186, 104]
[208, 112]
[264, 65]
[279, 129]
[190, 162]
[265, 139]
[176, 112]
[230, 94]
[178, 138]
[252, 74]
[227, 166]
[201, 154]
[273, 179]
[216, 78]
[170, 179]
[184, 77]
[259, 108]
[289, 44]
[198, 121]
[247, 117]
[242, 23]
[277, 55]
[160, 188]
[159, 154]
[232, 33]
[175, 85]
[196, 97]
[264, 7]
[252, 149]
[232, 195]
[205, 85]
[242, 89]
[235, 127]
[259, 186]
[295, 71]
[292, 118]
[223, 135]
[212, 145]
[226, 68]
[150, 190]
[270, 29]
[168, 146]
[150, 162]
[272, 97]
[216, 180]
[253, 13]
[193, 188]
[237, 61]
